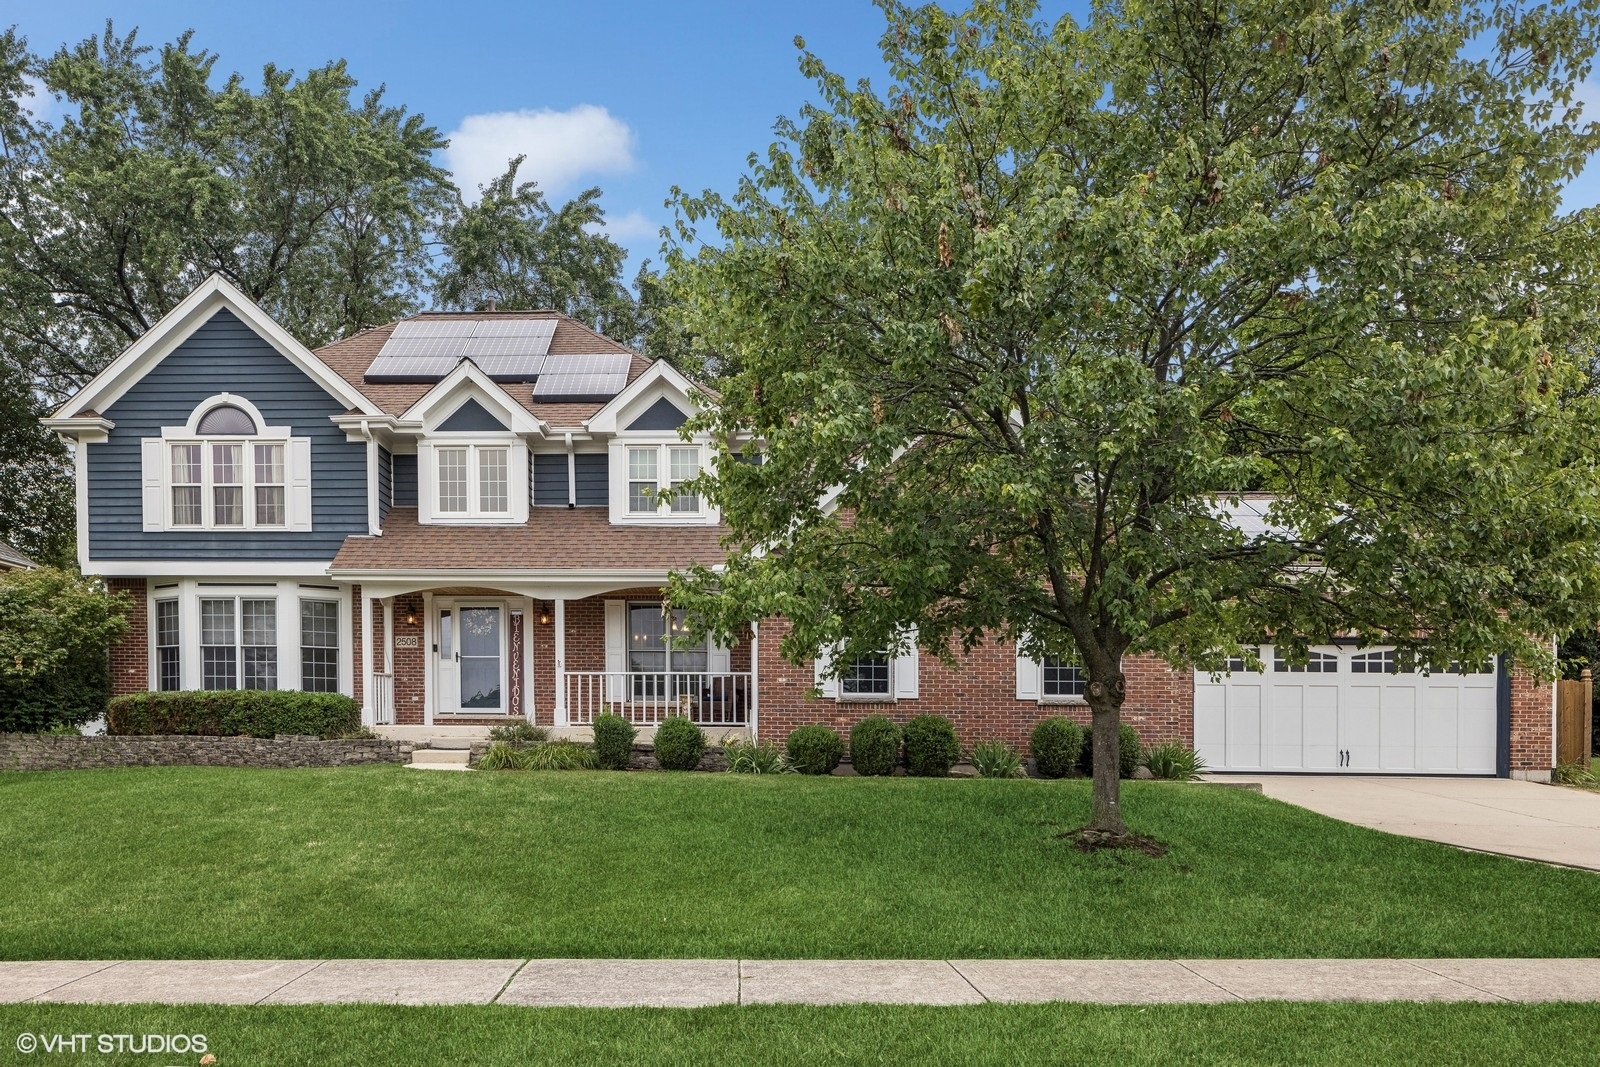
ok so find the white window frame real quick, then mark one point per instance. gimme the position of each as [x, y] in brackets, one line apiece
[159, 485]
[288, 592]
[905, 670]
[664, 513]
[238, 599]
[516, 498]
[1030, 683]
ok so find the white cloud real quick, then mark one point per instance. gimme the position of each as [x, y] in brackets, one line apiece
[629, 227]
[37, 99]
[561, 146]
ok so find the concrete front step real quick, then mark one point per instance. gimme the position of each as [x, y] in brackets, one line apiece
[441, 759]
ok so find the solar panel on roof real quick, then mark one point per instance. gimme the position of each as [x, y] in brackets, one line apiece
[426, 350]
[596, 377]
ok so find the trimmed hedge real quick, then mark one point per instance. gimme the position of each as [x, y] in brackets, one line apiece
[234, 713]
[815, 749]
[874, 746]
[679, 744]
[1056, 744]
[613, 741]
[932, 747]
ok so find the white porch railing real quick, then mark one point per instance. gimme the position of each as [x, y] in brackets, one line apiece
[382, 699]
[645, 698]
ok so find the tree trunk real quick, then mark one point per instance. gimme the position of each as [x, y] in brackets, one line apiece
[1106, 807]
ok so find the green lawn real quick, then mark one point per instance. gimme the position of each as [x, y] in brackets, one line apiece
[210, 862]
[1342, 1034]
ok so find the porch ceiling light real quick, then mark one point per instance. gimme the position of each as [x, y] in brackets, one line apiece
[411, 618]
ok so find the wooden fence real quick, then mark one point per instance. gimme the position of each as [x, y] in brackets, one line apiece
[1574, 720]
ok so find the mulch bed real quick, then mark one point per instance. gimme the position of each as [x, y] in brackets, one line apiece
[1092, 841]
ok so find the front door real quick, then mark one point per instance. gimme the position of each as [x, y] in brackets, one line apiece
[471, 667]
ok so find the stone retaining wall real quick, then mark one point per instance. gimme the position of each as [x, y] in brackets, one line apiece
[41, 752]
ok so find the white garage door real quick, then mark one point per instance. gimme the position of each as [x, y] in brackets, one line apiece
[1346, 712]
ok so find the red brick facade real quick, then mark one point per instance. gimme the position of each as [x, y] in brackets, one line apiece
[130, 657]
[979, 697]
[1532, 724]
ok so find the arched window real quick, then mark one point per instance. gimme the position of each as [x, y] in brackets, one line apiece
[227, 419]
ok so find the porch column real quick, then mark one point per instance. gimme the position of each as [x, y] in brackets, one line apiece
[388, 636]
[755, 676]
[560, 623]
[368, 712]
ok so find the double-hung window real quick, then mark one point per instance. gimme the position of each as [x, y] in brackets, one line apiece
[656, 475]
[220, 474]
[239, 642]
[319, 646]
[472, 481]
[169, 658]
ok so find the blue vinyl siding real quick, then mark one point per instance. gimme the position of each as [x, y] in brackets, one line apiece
[472, 417]
[662, 415]
[385, 483]
[224, 355]
[405, 481]
[550, 479]
[593, 477]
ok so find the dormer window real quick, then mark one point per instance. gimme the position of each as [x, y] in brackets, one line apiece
[655, 473]
[473, 481]
[227, 470]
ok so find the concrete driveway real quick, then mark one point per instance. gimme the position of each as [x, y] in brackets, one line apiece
[1524, 819]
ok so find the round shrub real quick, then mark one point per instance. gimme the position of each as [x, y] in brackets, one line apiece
[679, 744]
[931, 746]
[815, 749]
[1129, 751]
[613, 741]
[1056, 744]
[874, 746]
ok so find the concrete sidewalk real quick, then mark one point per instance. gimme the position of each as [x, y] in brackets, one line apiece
[698, 983]
[1522, 819]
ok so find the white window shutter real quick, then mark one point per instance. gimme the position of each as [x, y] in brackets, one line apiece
[1027, 677]
[828, 687]
[300, 483]
[616, 648]
[718, 659]
[152, 454]
[906, 668]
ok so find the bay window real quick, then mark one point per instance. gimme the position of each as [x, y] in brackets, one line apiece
[319, 646]
[169, 674]
[238, 643]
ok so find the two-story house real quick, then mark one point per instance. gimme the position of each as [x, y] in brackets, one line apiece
[462, 518]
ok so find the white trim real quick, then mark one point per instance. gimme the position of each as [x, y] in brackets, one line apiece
[140, 568]
[374, 502]
[368, 712]
[80, 478]
[755, 678]
[192, 312]
[430, 658]
[191, 427]
[296, 454]
[427, 413]
[517, 480]
[559, 619]
[607, 419]
[621, 510]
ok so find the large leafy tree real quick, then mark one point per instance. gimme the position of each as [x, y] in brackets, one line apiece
[1017, 330]
[155, 173]
[513, 248]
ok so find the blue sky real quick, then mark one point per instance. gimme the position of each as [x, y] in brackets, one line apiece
[630, 95]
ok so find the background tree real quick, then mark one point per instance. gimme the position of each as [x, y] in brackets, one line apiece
[37, 513]
[315, 205]
[54, 630]
[513, 248]
[1044, 307]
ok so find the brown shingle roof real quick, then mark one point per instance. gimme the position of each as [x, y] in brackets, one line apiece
[351, 357]
[11, 559]
[552, 539]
